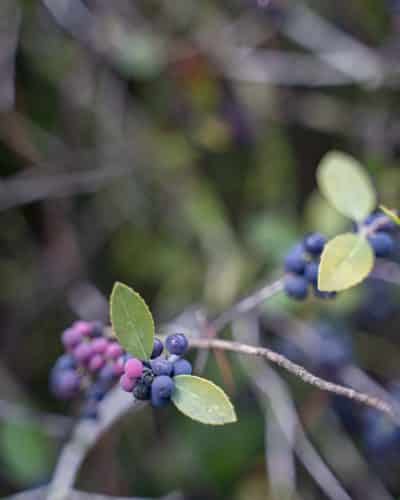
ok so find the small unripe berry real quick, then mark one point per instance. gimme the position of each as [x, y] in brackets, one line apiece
[84, 327]
[99, 345]
[71, 338]
[114, 350]
[177, 344]
[126, 383]
[133, 368]
[96, 362]
[83, 352]
[119, 366]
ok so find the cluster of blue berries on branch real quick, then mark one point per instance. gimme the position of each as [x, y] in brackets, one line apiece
[94, 362]
[302, 266]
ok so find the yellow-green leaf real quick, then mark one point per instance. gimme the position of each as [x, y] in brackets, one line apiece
[390, 213]
[132, 321]
[202, 400]
[345, 261]
[345, 184]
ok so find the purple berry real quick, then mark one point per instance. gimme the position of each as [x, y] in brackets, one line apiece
[114, 350]
[83, 327]
[83, 352]
[177, 344]
[65, 362]
[157, 348]
[71, 338]
[65, 384]
[182, 367]
[162, 366]
[99, 345]
[96, 362]
[106, 373]
[126, 383]
[133, 368]
[119, 366]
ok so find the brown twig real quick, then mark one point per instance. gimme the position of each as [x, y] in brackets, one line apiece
[298, 371]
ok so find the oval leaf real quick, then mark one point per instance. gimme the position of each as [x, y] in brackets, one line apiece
[345, 261]
[343, 181]
[202, 400]
[132, 321]
[390, 213]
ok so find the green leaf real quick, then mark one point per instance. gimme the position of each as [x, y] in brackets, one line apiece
[132, 321]
[345, 261]
[343, 181]
[390, 213]
[202, 400]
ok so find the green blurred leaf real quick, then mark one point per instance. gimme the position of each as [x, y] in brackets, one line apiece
[343, 181]
[26, 453]
[345, 261]
[390, 213]
[202, 400]
[321, 216]
[132, 321]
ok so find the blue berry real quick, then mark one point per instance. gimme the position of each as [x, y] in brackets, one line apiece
[382, 244]
[314, 243]
[296, 287]
[182, 367]
[141, 391]
[311, 272]
[90, 410]
[65, 384]
[65, 362]
[295, 261]
[162, 366]
[97, 391]
[177, 344]
[147, 376]
[107, 373]
[162, 387]
[157, 348]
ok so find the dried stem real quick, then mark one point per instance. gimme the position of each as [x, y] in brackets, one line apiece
[298, 371]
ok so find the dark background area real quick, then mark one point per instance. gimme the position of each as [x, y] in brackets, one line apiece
[172, 145]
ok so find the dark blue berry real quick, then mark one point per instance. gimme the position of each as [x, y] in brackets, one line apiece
[382, 244]
[296, 287]
[157, 348]
[141, 391]
[311, 272]
[162, 366]
[314, 243]
[182, 367]
[295, 261]
[381, 223]
[65, 362]
[177, 344]
[162, 387]
[147, 376]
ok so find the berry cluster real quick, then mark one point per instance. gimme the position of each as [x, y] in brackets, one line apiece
[153, 380]
[380, 230]
[94, 362]
[302, 265]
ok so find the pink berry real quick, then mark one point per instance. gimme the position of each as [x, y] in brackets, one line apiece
[83, 352]
[99, 346]
[96, 362]
[83, 327]
[126, 383]
[118, 367]
[133, 368]
[71, 338]
[114, 350]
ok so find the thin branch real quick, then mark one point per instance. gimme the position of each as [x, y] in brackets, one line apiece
[39, 494]
[84, 437]
[247, 304]
[298, 371]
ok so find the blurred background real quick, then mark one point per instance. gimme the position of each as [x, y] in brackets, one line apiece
[172, 145]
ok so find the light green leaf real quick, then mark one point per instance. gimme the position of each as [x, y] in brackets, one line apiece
[202, 400]
[132, 321]
[345, 184]
[345, 261]
[390, 213]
